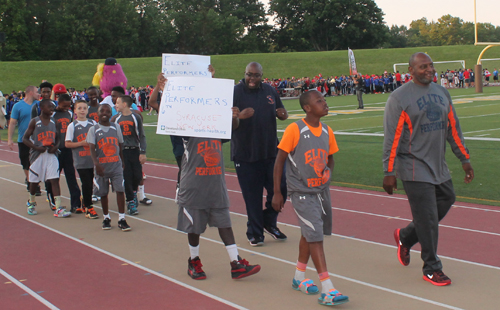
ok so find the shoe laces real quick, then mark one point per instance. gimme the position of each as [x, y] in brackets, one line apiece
[441, 275]
[197, 265]
[91, 211]
[243, 262]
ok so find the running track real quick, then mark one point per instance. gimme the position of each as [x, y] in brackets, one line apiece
[466, 234]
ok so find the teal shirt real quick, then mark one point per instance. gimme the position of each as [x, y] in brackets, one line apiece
[22, 113]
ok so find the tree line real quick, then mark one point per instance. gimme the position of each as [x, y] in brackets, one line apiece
[90, 29]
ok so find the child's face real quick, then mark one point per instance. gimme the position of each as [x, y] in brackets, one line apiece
[104, 113]
[92, 93]
[81, 110]
[46, 92]
[63, 106]
[317, 105]
[120, 106]
[47, 109]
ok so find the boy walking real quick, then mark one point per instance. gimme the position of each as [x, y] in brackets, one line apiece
[76, 140]
[42, 139]
[309, 146]
[134, 150]
[106, 142]
[203, 200]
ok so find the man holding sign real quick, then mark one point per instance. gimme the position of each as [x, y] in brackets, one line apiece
[253, 150]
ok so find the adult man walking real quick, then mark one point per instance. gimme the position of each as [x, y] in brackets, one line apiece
[358, 81]
[21, 114]
[253, 150]
[419, 118]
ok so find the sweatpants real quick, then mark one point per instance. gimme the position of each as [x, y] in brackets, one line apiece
[429, 204]
[66, 163]
[87, 180]
[253, 178]
[359, 95]
[132, 173]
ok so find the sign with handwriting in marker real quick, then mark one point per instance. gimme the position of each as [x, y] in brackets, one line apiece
[185, 65]
[194, 107]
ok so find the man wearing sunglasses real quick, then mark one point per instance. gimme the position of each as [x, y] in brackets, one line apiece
[253, 150]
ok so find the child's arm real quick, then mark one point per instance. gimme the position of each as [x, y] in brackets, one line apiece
[154, 95]
[26, 137]
[142, 141]
[278, 201]
[72, 145]
[93, 154]
[121, 155]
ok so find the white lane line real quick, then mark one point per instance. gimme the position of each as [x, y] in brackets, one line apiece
[292, 263]
[128, 262]
[388, 290]
[28, 290]
[331, 189]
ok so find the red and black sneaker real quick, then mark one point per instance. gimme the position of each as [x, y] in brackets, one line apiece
[437, 278]
[241, 268]
[194, 269]
[403, 251]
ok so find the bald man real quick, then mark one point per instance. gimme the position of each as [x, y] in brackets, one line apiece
[419, 118]
[253, 149]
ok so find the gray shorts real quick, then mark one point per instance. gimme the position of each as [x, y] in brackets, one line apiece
[101, 184]
[315, 214]
[194, 221]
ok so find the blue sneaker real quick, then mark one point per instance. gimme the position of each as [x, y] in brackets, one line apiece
[307, 286]
[62, 212]
[333, 298]
[31, 208]
[136, 201]
[132, 208]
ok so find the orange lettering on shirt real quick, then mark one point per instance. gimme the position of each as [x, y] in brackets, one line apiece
[126, 127]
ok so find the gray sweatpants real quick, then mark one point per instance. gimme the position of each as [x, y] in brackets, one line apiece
[429, 204]
[359, 95]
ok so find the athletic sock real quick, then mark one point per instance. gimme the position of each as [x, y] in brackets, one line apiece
[232, 250]
[140, 193]
[106, 216]
[300, 271]
[121, 216]
[58, 201]
[194, 251]
[32, 198]
[326, 283]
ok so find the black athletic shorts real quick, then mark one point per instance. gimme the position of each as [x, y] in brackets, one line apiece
[24, 155]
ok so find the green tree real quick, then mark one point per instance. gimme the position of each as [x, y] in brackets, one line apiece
[328, 24]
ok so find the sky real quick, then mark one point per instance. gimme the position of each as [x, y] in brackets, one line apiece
[403, 12]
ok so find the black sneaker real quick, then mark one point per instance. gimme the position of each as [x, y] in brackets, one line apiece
[194, 269]
[437, 278]
[256, 241]
[122, 224]
[106, 224]
[403, 251]
[241, 268]
[275, 233]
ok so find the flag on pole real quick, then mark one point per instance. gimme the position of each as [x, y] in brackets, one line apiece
[352, 62]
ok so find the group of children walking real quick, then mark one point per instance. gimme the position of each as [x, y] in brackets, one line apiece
[95, 149]
[113, 149]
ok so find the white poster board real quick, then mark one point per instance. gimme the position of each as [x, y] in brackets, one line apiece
[194, 107]
[185, 65]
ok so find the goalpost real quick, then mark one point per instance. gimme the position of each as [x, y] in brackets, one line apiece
[438, 65]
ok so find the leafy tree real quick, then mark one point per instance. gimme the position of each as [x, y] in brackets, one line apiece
[327, 24]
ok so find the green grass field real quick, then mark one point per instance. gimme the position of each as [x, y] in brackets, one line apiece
[143, 71]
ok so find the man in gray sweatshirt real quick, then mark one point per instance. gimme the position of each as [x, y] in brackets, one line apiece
[419, 118]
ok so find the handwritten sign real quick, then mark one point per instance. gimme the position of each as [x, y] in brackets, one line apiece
[185, 65]
[194, 107]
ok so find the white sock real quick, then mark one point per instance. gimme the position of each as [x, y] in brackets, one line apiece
[106, 216]
[232, 250]
[299, 275]
[121, 216]
[194, 251]
[140, 193]
[326, 286]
